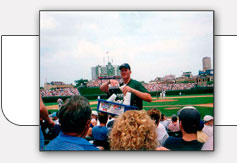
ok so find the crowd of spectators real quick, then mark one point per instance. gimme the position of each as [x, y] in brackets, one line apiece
[83, 129]
[150, 87]
[166, 87]
[98, 83]
[94, 83]
[59, 92]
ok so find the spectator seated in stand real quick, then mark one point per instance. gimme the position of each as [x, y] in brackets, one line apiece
[162, 134]
[94, 115]
[189, 119]
[89, 133]
[110, 123]
[133, 130]
[74, 118]
[60, 102]
[208, 125]
[164, 121]
[174, 125]
[100, 133]
[208, 129]
[45, 121]
[94, 122]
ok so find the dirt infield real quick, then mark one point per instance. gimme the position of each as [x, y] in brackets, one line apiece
[169, 107]
[172, 108]
[93, 102]
[164, 100]
[186, 96]
[190, 96]
[205, 105]
[153, 106]
[175, 106]
[55, 107]
[52, 107]
[167, 99]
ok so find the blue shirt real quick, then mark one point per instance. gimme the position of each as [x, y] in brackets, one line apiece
[41, 139]
[66, 142]
[100, 133]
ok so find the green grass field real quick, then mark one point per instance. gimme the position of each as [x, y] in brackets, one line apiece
[180, 101]
[171, 107]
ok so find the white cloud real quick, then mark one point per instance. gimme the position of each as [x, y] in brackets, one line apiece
[154, 43]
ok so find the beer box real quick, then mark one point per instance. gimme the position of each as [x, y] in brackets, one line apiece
[113, 108]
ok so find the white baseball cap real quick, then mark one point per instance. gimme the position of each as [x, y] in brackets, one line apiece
[94, 112]
[207, 118]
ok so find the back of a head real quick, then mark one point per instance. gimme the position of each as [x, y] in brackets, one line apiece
[174, 118]
[103, 117]
[133, 130]
[190, 119]
[74, 114]
[155, 115]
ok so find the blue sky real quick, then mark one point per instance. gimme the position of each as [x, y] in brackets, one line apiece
[154, 43]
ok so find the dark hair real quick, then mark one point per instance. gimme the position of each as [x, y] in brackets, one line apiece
[74, 114]
[174, 118]
[162, 117]
[103, 117]
[190, 119]
[155, 115]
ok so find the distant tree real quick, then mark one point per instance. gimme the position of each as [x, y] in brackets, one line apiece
[81, 83]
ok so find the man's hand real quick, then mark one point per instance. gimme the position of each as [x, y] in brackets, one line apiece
[51, 122]
[100, 148]
[127, 89]
[114, 83]
[162, 149]
[105, 87]
[141, 95]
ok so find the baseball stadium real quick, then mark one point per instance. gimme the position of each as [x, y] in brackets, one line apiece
[187, 90]
[168, 95]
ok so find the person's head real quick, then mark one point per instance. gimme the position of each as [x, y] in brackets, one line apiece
[103, 117]
[162, 117]
[75, 115]
[94, 114]
[174, 118]
[208, 120]
[125, 71]
[133, 130]
[189, 118]
[155, 115]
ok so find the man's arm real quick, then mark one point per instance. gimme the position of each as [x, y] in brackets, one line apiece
[105, 87]
[44, 113]
[141, 95]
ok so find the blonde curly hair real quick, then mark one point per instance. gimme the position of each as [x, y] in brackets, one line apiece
[133, 130]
